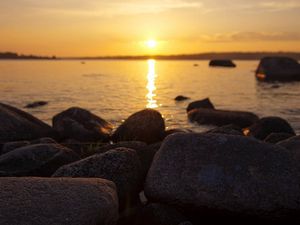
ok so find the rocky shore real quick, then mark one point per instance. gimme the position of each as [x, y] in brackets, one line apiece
[83, 171]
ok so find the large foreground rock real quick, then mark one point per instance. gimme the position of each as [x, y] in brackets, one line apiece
[56, 201]
[262, 128]
[121, 165]
[82, 125]
[16, 125]
[35, 160]
[146, 126]
[224, 173]
[222, 117]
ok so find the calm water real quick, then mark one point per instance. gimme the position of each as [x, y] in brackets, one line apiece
[116, 89]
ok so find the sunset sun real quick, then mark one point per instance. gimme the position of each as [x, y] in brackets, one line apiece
[151, 43]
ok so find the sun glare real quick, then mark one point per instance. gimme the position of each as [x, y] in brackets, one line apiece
[151, 43]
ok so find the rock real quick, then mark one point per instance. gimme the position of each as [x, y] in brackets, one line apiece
[180, 98]
[82, 125]
[204, 103]
[227, 129]
[17, 125]
[222, 117]
[36, 160]
[135, 145]
[278, 68]
[277, 137]
[224, 174]
[146, 126]
[50, 201]
[221, 63]
[10, 146]
[36, 104]
[268, 125]
[121, 165]
[174, 131]
[45, 140]
[292, 143]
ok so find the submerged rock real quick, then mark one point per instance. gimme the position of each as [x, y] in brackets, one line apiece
[121, 165]
[224, 174]
[82, 125]
[204, 103]
[262, 128]
[17, 125]
[146, 126]
[36, 104]
[278, 68]
[36, 160]
[221, 63]
[180, 98]
[50, 201]
[222, 117]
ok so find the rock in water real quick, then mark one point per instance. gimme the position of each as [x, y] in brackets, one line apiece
[221, 63]
[204, 103]
[222, 117]
[224, 173]
[36, 160]
[268, 125]
[82, 125]
[180, 98]
[36, 104]
[121, 165]
[50, 201]
[17, 125]
[147, 126]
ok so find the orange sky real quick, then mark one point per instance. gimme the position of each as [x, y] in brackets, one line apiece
[120, 27]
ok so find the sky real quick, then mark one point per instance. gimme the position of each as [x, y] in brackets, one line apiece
[122, 27]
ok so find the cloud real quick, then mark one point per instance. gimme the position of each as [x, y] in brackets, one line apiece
[280, 6]
[251, 36]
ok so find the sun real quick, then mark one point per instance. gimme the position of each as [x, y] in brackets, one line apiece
[151, 43]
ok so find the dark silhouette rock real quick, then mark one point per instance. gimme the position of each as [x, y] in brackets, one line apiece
[268, 125]
[146, 126]
[224, 174]
[50, 201]
[82, 125]
[36, 104]
[36, 160]
[121, 165]
[174, 131]
[221, 63]
[227, 129]
[222, 117]
[277, 137]
[278, 68]
[17, 125]
[180, 98]
[292, 143]
[204, 103]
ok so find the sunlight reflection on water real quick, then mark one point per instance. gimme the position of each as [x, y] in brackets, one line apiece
[151, 77]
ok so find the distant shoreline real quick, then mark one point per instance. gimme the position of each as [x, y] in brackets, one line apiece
[200, 56]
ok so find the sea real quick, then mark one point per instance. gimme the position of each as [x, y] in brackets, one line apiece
[114, 89]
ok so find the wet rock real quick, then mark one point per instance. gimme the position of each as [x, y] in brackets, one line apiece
[121, 165]
[180, 98]
[174, 131]
[50, 201]
[146, 126]
[36, 104]
[222, 117]
[224, 174]
[227, 129]
[36, 160]
[277, 137]
[292, 143]
[82, 125]
[10, 146]
[204, 103]
[221, 63]
[268, 125]
[17, 125]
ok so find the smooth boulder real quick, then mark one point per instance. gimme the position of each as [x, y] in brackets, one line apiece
[262, 128]
[17, 125]
[36, 160]
[146, 126]
[56, 201]
[225, 174]
[200, 104]
[82, 125]
[121, 165]
[222, 117]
